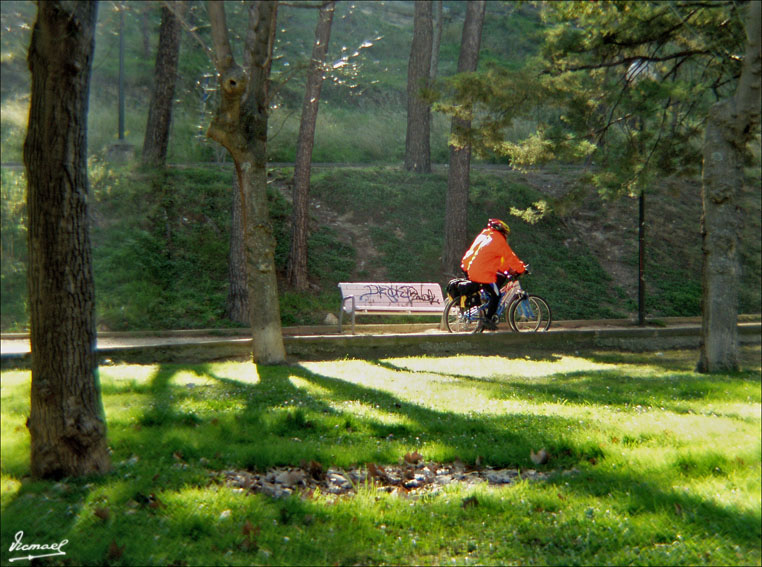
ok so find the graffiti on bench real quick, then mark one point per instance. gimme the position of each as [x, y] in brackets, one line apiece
[393, 294]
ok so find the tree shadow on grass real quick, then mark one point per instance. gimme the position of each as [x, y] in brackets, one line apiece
[644, 496]
[292, 414]
[673, 390]
[377, 425]
[677, 393]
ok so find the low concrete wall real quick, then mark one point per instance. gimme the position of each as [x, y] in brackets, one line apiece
[508, 344]
[329, 347]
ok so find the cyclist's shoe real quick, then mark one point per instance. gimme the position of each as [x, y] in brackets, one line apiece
[490, 324]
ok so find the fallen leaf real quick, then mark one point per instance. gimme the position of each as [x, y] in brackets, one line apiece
[377, 471]
[250, 533]
[115, 551]
[540, 457]
[678, 509]
[151, 501]
[177, 455]
[413, 458]
[102, 513]
[250, 529]
[470, 502]
[316, 470]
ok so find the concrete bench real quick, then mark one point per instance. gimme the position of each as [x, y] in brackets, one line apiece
[390, 299]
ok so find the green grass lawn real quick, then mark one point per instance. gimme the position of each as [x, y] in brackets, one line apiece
[650, 463]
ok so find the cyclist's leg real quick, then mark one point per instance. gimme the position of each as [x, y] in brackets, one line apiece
[493, 294]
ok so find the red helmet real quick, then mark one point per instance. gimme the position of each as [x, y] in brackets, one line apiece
[499, 226]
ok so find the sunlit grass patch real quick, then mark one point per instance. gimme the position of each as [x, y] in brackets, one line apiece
[499, 367]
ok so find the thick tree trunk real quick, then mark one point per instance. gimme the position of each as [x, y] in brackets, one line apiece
[297, 260]
[66, 422]
[720, 227]
[729, 128]
[156, 138]
[262, 283]
[237, 305]
[417, 141]
[240, 125]
[456, 203]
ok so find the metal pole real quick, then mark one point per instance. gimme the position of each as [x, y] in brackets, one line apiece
[121, 72]
[642, 259]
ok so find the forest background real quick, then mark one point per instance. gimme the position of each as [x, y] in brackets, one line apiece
[160, 257]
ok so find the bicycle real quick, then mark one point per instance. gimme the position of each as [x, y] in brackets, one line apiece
[524, 312]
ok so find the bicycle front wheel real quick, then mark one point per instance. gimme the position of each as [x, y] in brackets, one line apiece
[529, 315]
[459, 320]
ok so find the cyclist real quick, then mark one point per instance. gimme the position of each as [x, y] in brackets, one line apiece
[490, 256]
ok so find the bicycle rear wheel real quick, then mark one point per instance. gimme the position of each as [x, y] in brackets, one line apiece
[460, 320]
[530, 314]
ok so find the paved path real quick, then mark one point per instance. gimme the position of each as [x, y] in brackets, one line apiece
[383, 341]
[18, 343]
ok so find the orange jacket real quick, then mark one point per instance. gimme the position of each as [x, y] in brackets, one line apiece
[488, 255]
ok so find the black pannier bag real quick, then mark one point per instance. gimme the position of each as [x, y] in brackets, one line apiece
[459, 287]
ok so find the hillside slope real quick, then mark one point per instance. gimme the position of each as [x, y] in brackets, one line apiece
[160, 245]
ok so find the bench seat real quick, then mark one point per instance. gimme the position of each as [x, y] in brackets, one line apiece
[389, 298]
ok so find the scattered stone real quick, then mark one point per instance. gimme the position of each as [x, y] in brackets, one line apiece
[503, 476]
[404, 480]
[331, 319]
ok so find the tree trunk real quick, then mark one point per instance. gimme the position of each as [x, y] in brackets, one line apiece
[729, 128]
[456, 203]
[145, 24]
[66, 423]
[237, 305]
[297, 260]
[240, 125]
[438, 25]
[720, 226]
[165, 75]
[417, 141]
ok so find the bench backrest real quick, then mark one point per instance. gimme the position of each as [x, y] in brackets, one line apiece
[405, 297]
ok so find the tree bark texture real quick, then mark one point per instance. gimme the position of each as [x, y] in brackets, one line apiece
[729, 128]
[417, 140]
[456, 202]
[240, 125]
[66, 423]
[159, 122]
[237, 305]
[297, 260]
[438, 25]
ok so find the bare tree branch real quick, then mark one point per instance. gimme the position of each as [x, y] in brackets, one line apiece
[638, 58]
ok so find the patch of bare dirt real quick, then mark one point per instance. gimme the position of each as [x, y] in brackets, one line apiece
[349, 232]
[411, 477]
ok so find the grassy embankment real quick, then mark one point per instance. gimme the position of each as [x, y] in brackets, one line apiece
[160, 246]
